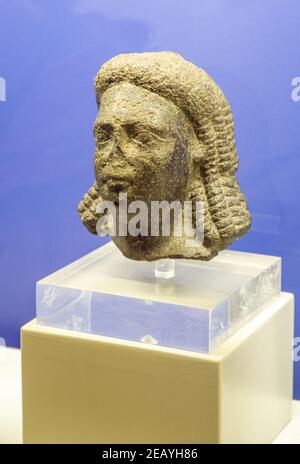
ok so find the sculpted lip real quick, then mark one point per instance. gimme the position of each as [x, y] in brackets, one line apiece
[117, 185]
[113, 179]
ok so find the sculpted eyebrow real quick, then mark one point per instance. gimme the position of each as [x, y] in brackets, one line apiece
[102, 125]
[134, 126]
[157, 130]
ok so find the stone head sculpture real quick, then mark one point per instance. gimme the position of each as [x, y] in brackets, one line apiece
[164, 132]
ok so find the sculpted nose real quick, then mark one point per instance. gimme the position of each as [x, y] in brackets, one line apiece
[118, 146]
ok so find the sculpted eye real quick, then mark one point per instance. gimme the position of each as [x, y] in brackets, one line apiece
[143, 137]
[103, 133]
[103, 136]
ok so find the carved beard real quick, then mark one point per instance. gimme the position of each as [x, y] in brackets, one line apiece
[200, 189]
[89, 214]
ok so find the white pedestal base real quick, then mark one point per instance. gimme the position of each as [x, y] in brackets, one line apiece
[84, 388]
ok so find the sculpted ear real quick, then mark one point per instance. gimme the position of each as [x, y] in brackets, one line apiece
[87, 208]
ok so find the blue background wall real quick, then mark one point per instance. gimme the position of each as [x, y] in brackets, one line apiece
[49, 53]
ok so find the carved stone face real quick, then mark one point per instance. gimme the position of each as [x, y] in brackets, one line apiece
[165, 133]
[141, 146]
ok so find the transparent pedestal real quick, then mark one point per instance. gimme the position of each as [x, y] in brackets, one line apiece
[84, 388]
[186, 304]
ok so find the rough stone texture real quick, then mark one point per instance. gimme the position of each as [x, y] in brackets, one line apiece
[165, 132]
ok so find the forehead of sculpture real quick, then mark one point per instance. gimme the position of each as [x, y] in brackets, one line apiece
[132, 104]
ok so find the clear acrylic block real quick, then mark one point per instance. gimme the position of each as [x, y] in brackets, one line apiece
[199, 307]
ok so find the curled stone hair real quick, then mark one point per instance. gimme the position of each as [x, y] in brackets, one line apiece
[205, 106]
